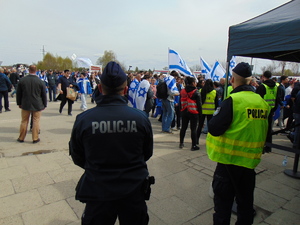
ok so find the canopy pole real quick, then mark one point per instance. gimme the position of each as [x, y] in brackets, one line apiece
[226, 81]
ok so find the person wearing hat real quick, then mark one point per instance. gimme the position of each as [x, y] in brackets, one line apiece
[237, 134]
[115, 169]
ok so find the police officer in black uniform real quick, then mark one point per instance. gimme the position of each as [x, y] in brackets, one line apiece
[112, 143]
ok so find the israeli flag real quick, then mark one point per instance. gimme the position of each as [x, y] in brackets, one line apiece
[217, 72]
[171, 84]
[141, 94]
[177, 63]
[205, 68]
[232, 64]
[134, 85]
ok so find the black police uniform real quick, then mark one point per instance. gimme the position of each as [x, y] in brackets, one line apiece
[112, 142]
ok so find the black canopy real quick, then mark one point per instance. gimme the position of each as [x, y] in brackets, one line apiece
[273, 35]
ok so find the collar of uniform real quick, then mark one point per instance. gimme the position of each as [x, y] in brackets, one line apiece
[111, 100]
[242, 88]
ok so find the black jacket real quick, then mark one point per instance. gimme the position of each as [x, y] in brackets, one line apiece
[14, 78]
[31, 93]
[52, 79]
[112, 142]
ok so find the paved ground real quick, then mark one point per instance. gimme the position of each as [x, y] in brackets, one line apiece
[37, 181]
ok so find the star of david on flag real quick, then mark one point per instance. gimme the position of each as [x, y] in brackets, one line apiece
[217, 72]
[232, 64]
[177, 63]
[205, 68]
[141, 94]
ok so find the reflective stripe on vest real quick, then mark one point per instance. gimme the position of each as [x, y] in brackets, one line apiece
[187, 102]
[243, 141]
[208, 107]
[270, 96]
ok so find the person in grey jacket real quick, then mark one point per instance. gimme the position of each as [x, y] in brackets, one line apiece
[5, 86]
[32, 99]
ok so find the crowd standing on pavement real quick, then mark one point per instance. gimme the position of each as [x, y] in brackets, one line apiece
[198, 102]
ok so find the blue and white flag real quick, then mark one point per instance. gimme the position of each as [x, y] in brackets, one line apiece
[205, 68]
[217, 72]
[177, 63]
[232, 64]
[171, 84]
[134, 85]
[141, 94]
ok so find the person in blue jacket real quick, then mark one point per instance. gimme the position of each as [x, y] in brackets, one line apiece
[85, 89]
[112, 143]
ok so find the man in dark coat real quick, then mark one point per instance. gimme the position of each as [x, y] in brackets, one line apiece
[64, 82]
[14, 78]
[115, 169]
[32, 99]
[5, 86]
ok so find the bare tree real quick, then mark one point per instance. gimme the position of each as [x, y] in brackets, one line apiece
[282, 65]
[295, 68]
[271, 67]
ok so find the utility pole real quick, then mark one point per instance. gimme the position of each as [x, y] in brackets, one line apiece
[43, 50]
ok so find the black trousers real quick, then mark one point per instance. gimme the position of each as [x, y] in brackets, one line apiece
[201, 123]
[231, 182]
[130, 211]
[177, 117]
[4, 94]
[187, 118]
[64, 100]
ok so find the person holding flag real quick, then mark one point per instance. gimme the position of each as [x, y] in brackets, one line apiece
[168, 103]
[133, 87]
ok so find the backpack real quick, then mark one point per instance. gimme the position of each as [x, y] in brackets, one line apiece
[162, 90]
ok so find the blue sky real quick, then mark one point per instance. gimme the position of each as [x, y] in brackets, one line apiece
[139, 32]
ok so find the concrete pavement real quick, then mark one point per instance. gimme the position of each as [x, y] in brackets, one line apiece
[37, 181]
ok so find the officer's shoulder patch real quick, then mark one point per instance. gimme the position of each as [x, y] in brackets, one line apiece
[217, 111]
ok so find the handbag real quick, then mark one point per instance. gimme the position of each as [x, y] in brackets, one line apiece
[71, 94]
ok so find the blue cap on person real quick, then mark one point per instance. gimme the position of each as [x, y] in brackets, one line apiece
[113, 76]
[243, 69]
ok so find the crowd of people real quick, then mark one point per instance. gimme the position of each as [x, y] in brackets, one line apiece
[142, 89]
[227, 113]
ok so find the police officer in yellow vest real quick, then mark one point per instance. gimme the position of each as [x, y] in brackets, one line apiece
[237, 134]
[210, 101]
[268, 90]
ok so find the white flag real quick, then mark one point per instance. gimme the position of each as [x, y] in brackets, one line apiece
[217, 72]
[232, 64]
[73, 57]
[205, 68]
[84, 62]
[177, 63]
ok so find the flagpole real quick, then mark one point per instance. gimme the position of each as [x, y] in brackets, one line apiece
[226, 81]
[168, 60]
